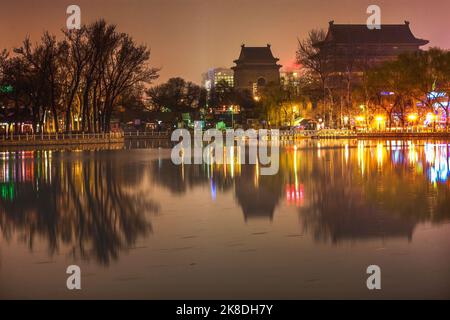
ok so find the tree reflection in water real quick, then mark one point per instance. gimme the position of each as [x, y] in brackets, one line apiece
[83, 203]
[374, 190]
[344, 190]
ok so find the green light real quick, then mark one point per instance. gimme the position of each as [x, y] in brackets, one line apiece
[7, 191]
[6, 89]
[4, 192]
[11, 192]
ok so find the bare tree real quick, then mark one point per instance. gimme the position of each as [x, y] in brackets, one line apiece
[317, 63]
[127, 67]
[78, 55]
[102, 39]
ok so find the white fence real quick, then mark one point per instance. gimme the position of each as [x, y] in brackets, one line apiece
[61, 136]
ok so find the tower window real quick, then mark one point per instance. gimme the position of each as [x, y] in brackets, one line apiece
[261, 82]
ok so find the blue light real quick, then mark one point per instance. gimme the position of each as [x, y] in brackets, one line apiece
[213, 190]
[435, 95]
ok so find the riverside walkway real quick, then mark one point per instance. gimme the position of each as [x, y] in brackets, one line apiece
[351, 134]
[61, 139]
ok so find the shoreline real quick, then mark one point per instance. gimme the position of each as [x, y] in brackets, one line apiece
[388, 135]
[62, 140]
[111, 140]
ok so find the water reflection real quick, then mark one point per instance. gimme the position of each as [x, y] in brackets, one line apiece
[258, 196]
[85, 204]
[378, 191]
[351, 190]
[97, 204]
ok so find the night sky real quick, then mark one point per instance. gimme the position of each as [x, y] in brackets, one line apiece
[187, 37]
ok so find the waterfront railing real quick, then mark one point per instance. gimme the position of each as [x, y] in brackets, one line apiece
[61, 136]
[83, 136]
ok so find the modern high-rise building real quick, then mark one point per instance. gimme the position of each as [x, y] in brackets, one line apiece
[217, 75]
[291, 77]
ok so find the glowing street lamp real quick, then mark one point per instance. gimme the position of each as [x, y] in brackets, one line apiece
[379, 120]
[346, 119]
[364, 114]
[360, 118]
[431, 117]
[412, 117]
[231, 109]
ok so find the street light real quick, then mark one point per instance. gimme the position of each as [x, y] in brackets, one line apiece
[232, 115]
[360, 121]
[346, 119]
[379, 120]
[431, 119]
[412, 117]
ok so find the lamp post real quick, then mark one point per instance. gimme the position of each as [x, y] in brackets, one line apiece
[346, 121]
[360, 120]
[366, 116]
[431, 119]
[412, 118]
[379, 120]
[232, 116]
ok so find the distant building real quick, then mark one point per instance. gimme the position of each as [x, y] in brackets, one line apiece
[291, 77]
[216, 75]
[353, 47]
[256, 67]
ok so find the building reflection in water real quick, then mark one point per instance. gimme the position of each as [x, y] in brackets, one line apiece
[258, 196]
[379, 191]
[349, 190]
[94, 203]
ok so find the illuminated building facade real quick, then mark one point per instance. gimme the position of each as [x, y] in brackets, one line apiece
[291, 78]
[256, 67]
[216, 75]
[354, 47]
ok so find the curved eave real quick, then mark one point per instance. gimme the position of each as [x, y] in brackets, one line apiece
[419, 42]
[422, 42]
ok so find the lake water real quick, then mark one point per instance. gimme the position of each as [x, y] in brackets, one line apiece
[140, 227]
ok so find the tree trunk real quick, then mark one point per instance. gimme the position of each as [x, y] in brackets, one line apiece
[95, 111]
[447, 114]
[55, 118]
[53, 107]
[68, 119]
